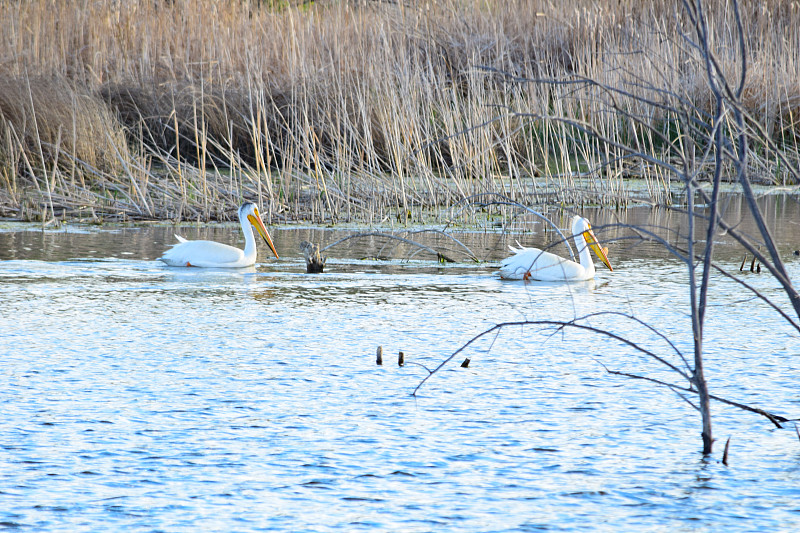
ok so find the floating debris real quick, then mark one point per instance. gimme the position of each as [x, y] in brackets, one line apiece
[315, 262]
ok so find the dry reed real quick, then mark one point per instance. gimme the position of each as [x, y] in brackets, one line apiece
[362, 110]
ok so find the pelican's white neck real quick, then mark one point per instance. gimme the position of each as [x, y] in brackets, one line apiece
[578, 227]
[249, 238]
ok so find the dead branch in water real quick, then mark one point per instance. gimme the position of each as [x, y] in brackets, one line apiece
[497, 199]
[709, 140]
[440, 255]
[775, 419]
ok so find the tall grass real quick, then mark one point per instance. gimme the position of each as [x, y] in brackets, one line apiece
[359, 110]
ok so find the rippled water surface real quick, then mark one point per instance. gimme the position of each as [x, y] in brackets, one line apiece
[139, 397]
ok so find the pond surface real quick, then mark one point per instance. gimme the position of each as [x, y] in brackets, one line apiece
[139, 397]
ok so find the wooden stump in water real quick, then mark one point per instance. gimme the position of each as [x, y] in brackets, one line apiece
[315, 262]
[725, 453]
[754, 266]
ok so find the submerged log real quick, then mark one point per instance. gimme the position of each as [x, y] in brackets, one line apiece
[315, 262]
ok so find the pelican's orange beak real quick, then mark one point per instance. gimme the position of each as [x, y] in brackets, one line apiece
[601, 253]
[255, 220]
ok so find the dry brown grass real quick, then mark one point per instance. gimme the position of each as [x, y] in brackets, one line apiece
[360, 109]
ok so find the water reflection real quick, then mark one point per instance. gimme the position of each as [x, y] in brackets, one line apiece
[26, 241]
[147, 397]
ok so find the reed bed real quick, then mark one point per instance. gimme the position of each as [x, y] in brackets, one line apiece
[364, 110]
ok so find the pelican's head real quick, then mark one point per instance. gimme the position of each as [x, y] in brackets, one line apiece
[582, 226]
[249, 212]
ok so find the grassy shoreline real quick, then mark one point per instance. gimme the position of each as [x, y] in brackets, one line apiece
[354, 111]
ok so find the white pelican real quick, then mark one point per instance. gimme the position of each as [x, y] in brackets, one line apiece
[212, 254]
[535, 264]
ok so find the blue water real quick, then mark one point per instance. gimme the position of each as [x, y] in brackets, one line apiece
[138, 397]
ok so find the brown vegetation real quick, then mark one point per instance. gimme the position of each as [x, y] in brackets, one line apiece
[338, 110]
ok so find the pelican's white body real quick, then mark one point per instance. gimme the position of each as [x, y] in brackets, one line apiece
[539, 265]
[210, 254]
